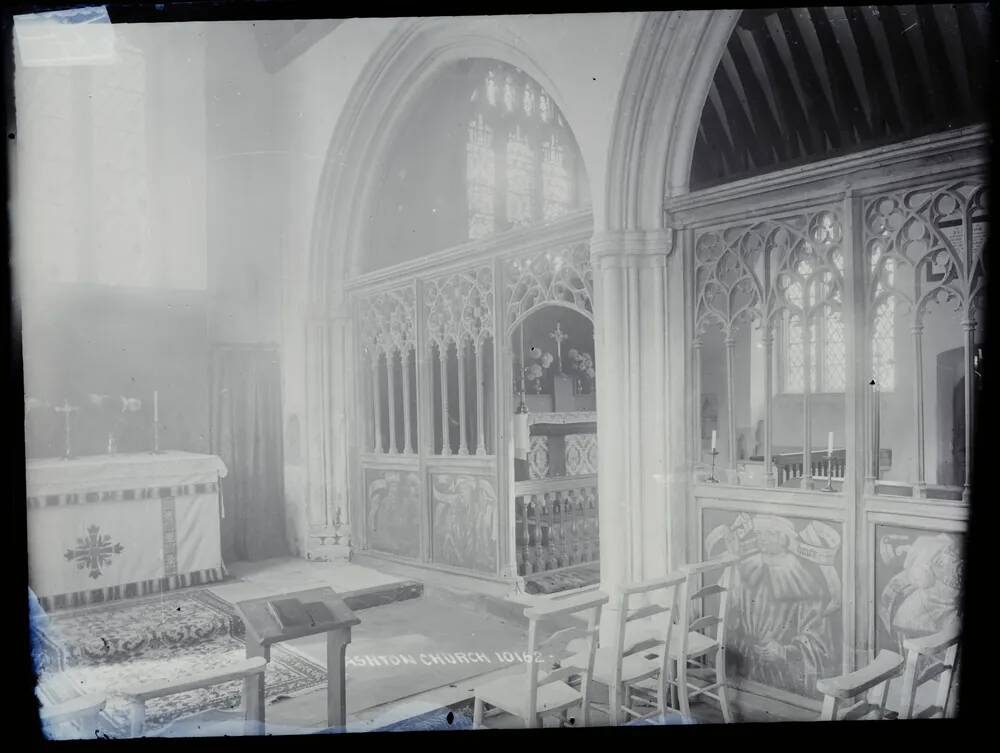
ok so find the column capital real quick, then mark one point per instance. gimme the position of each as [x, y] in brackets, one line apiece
[637, 244]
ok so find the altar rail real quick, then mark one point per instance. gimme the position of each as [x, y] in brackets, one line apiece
[556, 523]
[789, 466]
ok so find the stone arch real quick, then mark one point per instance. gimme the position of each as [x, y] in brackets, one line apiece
[666, 84]
[372, 117]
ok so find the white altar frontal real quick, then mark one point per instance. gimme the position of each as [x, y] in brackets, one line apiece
[109, 527]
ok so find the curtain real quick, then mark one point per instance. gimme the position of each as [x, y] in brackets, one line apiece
[246, 434]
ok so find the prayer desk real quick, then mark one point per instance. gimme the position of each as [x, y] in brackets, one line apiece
[263, 630]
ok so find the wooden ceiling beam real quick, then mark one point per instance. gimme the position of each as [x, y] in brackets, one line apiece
[820, 107]
[720, 110]
[733, 74]
[917, 99]
[753, 54]
[739, 111]
[844, 35]
[807, 32]
[876, 42]
[743, 138]
[944, 43]
[840, 78]
[915, 39]
[777, 45]
[976, 54]
[769, 130]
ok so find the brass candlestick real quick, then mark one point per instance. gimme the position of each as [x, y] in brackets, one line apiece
[829, 474]
[712, 479]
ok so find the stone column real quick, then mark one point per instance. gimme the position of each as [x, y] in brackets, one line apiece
[640, 408]
[329, 389]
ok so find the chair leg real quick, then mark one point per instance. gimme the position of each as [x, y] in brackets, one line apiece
[720, 677]
[477, 714]
[585, 702]
[829, 713]
[614, 705]
[682, 685]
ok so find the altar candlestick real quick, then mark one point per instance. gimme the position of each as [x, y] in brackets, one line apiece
[714, 436]
[66, 409]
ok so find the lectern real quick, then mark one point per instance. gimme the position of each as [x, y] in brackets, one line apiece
[263, 630]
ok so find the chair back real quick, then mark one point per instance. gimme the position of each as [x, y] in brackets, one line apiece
[923, 651]
[695, 614]
[591, 602]
[631, 611]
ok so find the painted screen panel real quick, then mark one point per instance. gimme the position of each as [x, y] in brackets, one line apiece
[465, 521]
[784, 624]
[393, 512]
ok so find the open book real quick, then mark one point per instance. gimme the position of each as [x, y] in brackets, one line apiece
[292, 614]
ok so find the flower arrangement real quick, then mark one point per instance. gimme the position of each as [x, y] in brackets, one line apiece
[534, 372]
[115, 410]
[583, 364]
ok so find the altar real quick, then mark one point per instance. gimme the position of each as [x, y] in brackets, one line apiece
[109, 527]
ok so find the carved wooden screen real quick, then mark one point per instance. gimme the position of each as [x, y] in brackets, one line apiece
[459, 316]
[387, 326]
[555, 513]
[925, 281]
[771, 290]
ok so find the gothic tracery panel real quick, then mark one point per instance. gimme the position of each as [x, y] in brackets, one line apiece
[458, 310]
[564, 276]
[387, 323]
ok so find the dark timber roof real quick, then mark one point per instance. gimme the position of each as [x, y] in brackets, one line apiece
[796, 85]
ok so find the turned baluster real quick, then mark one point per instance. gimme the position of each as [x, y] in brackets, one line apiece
[529, 536]
[519, 529]
[540, 514]
[595, 522]
[560, 518]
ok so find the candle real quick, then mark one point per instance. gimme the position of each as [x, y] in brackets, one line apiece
[829, 443]
[713, 439]
[156, 407]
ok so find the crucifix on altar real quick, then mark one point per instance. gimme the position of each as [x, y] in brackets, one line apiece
[67, 410]
[558, 336]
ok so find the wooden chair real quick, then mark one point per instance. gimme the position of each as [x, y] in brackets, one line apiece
[638, 653]
[688, 643]
[247, 670]
[871, 682]
[537, 693]
[945, 672]
[81, 715]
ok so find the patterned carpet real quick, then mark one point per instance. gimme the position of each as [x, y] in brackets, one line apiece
[104, 648]
[563, 580]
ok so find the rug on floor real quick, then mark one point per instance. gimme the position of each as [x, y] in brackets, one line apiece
[167, 637]
[563, 580]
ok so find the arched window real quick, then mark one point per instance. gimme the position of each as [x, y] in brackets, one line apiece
[520, 161]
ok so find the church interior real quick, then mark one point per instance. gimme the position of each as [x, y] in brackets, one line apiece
[483, 372]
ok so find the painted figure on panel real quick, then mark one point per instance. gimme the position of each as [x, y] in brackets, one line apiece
[924, 596]
[394, 512]
[465, 522]
[788, 598]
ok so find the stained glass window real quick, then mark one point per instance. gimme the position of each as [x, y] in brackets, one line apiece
[520, 156]
[520, 179]
[556, 186]
[481, 179]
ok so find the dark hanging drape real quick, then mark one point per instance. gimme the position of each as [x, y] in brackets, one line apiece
[246, 434]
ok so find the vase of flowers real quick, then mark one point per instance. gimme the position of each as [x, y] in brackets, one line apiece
[535, 371]
[582, 365]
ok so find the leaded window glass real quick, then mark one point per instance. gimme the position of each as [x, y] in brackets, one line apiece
[520, 156]
[481, 179]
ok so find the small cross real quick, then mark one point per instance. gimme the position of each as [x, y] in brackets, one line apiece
[67, 410]
[558, 336]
